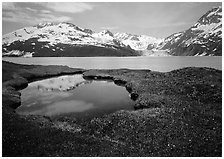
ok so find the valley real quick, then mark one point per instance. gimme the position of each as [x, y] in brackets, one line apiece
[86, 79]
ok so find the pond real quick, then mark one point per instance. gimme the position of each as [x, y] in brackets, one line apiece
[73, 95]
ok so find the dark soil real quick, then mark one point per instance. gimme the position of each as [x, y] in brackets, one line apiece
[178, 113]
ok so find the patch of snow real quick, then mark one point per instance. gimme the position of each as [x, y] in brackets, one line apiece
[14, 52]
[18, 53]
[209, 29]
[142, 42]
[28, 54]
[196, 54]
[203, 54]
[177, 34]
[216, 12]
[155, 53]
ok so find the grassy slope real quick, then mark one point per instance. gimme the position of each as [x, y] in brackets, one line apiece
[183, 117]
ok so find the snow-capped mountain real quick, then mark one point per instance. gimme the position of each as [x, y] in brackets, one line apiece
[203, 39]
[138, 42]
[66, 39]
[63, 39]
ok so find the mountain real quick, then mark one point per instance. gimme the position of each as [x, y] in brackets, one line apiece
[62, 39]
[66, 39]
[202, 39]
[138, 42]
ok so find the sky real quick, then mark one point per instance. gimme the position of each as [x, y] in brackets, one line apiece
[158, 19]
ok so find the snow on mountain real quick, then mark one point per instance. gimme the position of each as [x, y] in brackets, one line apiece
[57, 38]
[203, 39]
[65, 39]
[138, 42]
[107, 37]
[154, 52]
[64, 33]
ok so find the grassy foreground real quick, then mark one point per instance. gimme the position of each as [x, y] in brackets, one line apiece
[178, 113]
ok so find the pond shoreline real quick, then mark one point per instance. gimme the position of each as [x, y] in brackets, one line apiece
[174, 101]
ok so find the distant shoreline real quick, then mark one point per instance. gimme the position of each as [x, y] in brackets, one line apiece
[161, 64]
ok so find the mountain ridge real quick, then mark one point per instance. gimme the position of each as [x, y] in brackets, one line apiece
[204, 38]
[56, 39]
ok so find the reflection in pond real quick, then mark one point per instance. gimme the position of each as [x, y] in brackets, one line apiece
[73, 95]
[62, 83]
[64, 107]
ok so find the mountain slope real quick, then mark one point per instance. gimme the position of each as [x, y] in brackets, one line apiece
[138, 42]
[63, 39]
[203, 39]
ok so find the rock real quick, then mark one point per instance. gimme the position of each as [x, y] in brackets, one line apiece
[118, 81]
[134, 96]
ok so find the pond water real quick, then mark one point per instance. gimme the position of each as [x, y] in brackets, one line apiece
[162, 64]
[73, 95]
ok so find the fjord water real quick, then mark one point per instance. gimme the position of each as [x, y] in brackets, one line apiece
[162, 64]
[73, 95]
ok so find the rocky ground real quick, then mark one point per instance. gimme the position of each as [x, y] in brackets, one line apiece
[178, 113]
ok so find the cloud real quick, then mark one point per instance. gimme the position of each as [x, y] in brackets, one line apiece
[30, 9]
[109, 27]
[15, 17]
[189, 4]
[72, 7]
[45, 11]
[171, 24]
[25, 18]
[52, 18]
[12, 12]
[176, 24]
[8, 6]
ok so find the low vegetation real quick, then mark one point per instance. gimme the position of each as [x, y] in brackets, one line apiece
[178, 113]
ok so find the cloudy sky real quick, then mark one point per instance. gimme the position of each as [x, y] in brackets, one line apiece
[149, 18]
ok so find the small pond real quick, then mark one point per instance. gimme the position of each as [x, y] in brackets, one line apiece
[73, 95]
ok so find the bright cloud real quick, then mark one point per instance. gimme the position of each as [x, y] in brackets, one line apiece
[75, 7]
[30, 9]
[8, 6]
[25, 18]
[52, 18]
[45, 11]
[110, 27]
[165, 25]
[14, 13]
